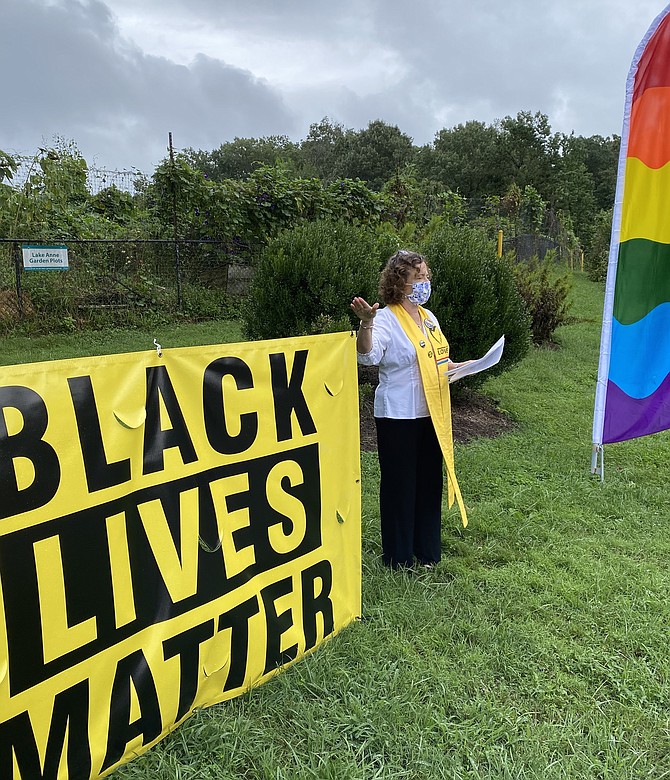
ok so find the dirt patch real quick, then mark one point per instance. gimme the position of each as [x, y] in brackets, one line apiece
[476, 416]
[473, 415]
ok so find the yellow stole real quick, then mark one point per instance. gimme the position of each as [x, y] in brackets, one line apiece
[430, 348]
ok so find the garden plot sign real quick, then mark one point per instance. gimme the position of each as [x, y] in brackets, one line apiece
[174, 528]
[45, 258]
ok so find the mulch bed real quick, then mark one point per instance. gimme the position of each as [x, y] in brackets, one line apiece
[473, 415]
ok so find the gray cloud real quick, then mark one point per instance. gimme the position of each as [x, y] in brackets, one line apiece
[568, 60]
[80, 79]
[117, 75]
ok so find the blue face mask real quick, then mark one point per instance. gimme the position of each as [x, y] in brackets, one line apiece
[420, 293]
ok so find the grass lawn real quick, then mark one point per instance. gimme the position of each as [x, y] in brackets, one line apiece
[538, 648]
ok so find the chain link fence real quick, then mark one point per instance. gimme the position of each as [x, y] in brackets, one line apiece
[122, 281]
[119, 281]
[97, 179]
[527, 245]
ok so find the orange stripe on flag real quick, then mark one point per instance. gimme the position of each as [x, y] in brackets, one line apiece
[649, 138]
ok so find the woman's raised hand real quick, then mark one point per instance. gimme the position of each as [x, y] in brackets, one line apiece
[363, 310]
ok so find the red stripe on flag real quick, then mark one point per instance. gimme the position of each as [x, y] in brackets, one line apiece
[653, 69]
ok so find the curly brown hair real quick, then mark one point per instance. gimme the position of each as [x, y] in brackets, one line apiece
[395, 275]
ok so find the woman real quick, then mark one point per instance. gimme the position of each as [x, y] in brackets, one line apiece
[412, 410]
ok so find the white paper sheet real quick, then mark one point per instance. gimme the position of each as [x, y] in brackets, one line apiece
[475, 366]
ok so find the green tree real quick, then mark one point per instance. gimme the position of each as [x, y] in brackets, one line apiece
[597, 251]
[528, 151]
[403, 199]
[532, 210]
[239, 158]
[453, 207]
[585, 180]
[320, 151]
[500, 213]
[374, 154]
[465, 159]
[475, 296]
[574, 194]
[600, 157]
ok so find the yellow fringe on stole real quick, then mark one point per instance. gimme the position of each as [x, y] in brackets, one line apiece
[430, 348]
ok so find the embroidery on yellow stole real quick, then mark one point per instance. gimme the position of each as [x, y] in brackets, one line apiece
[436, 388]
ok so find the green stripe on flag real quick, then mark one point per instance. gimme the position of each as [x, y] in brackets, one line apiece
[642, 280]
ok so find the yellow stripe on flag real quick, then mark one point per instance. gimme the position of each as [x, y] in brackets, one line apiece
[646, 202]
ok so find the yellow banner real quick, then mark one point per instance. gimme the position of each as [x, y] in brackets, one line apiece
[173, 530]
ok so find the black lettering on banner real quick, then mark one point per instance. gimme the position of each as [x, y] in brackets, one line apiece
[276, 625]
[314, 603]
[100, 474]
[27, 443]
[215, 407]
[288, 396]
[69, 716]
[132, 670]
[84, 578]
[156, 439]
[88, 582]
[187, 646]
[237, 619]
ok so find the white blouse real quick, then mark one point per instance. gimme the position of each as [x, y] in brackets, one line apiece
[400, 391]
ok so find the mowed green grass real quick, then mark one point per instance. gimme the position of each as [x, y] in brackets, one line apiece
[57, 346]
[538, 648]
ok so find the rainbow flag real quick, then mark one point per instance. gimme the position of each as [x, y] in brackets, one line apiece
[633, 388]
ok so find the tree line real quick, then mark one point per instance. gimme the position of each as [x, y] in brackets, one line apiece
[489, 166]
[515, 174]
[271, 201]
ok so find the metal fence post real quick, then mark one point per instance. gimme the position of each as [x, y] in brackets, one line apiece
[17, 271]
[175, 232]
[177, 268]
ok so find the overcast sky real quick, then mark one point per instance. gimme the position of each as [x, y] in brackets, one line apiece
[116, 75]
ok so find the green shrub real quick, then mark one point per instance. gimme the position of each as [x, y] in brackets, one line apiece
[475, 297]
[203, 303]
[307, 276]
[597, 251]
[545, 295]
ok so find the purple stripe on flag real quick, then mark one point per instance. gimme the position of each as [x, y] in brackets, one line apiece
[627, 418]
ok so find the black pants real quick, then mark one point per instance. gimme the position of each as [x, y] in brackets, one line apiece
[410, 491]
